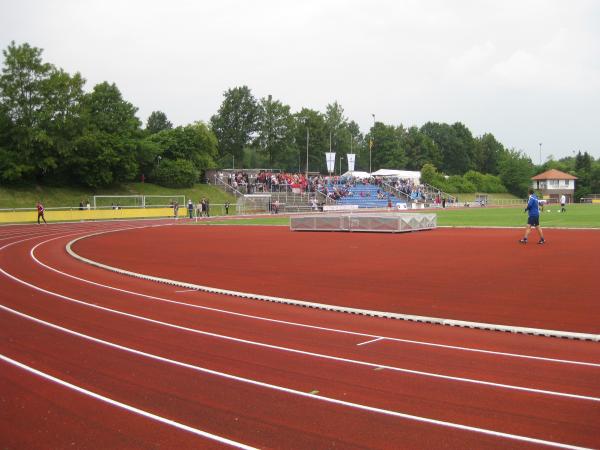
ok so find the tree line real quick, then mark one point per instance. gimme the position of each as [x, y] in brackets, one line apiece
[54, 132]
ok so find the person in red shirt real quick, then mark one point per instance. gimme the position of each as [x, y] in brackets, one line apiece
[40, 210]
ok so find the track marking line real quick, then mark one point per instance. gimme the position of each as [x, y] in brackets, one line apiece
[124, 406]
[337, 308]
[281, 388]
[371, 341]
[296, 324]
[188, 290]
[299, 352]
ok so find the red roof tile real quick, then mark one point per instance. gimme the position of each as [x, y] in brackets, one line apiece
[554, 174]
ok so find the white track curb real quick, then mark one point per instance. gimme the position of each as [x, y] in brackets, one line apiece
[323, 306]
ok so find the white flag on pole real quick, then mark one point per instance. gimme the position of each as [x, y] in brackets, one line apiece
[330, 158]
[351, 159]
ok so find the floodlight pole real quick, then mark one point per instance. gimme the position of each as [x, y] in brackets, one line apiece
[540, 153]
[307, 140]
[371, 145]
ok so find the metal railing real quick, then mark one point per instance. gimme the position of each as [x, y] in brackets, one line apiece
[393, 190]
[434, 191]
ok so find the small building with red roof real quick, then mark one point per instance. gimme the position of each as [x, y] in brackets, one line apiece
[554, 183]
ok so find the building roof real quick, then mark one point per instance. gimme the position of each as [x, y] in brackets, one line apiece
[554, 174]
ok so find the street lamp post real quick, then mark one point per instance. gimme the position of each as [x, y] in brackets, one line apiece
[371, 145]
[307, 140]
[540, 153]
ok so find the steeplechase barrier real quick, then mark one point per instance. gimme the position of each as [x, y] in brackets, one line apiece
[369, 222]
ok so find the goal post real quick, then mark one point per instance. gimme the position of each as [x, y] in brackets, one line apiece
[155, 201]
[117, 201]
[254, 204]
[136, 201]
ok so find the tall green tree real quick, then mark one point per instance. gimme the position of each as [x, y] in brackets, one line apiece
[311, 123]
[488, 152]
[157, 121]
[276, 133]
[420, 150]
[107, 151]
[387, 150]
[40, 114]
[236, 122]
[456, 145]
[516, 170]
[195, 143]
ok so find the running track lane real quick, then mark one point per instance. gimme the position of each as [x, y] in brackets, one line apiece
[104, 320]
[480, 275]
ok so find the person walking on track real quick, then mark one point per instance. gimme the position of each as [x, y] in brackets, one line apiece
[40, 211]
[533, 219]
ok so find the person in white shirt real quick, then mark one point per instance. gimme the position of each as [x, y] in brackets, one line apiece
[563, 201]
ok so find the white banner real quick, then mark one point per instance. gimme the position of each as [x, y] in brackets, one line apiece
[330, 158]
[351, 159]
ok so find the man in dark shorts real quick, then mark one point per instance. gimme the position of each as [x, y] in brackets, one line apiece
[533, 219]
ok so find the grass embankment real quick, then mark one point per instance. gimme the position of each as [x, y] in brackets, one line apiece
[57, 197]
[577, 216]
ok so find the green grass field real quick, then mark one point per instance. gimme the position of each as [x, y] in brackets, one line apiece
[55, 197]
[577, 216]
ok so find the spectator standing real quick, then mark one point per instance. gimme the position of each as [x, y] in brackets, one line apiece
[175, 210]
[190, 207]
[533, 219]
[40, 211]
[227, 208]
[563, 201]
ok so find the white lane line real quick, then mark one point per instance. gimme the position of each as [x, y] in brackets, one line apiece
[369, 342]
[293, 391]
[126, 407]
[302, 325]
[339, 308]
[300, 352]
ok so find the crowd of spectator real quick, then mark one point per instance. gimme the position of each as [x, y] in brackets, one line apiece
[335, 187]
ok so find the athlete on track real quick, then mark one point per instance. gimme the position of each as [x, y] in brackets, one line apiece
[40, 211]
[533, 219]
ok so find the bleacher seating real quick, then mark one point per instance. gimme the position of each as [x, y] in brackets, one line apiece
[368, 199]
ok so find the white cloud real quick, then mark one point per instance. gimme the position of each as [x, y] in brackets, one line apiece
[525, 70]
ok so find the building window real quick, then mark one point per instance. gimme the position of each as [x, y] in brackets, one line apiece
[553, 183]
[566, 183]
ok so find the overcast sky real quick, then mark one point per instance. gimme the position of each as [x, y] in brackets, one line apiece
[527, 71]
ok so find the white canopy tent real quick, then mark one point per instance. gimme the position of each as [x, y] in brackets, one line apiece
[356, 174]
[407, 174]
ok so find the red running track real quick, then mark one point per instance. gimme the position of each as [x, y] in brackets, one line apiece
[259, 374]
[480, 275]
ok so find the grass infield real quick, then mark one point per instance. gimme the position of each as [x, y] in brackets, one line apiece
[576, 216]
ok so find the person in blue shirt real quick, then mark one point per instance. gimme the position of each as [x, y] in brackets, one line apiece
[533, 219]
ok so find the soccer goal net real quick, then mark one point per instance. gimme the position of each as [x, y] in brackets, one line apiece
[254, 204]
[136, 201]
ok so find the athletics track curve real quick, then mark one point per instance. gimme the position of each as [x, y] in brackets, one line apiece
[477, 275]
[201, 370]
